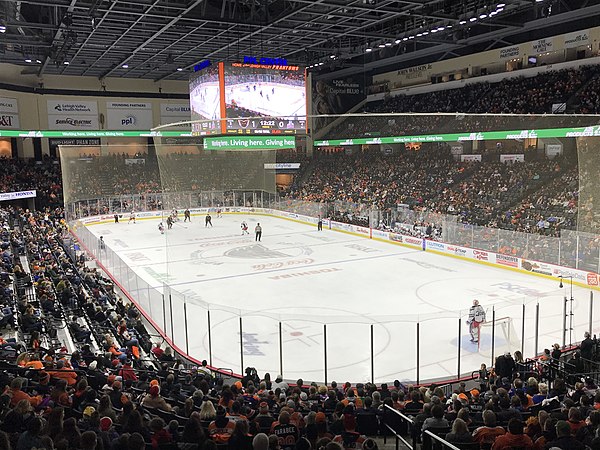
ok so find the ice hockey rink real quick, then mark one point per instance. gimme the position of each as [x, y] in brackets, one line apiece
[303, 279]
[272, 99]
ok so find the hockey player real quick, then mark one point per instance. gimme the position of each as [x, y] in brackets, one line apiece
[186, 215]
[169, 222]
[116, 218]
[476, 318]
[131, 217]
[244, 227]
[161, 228]
[208, 221]
[219, 214]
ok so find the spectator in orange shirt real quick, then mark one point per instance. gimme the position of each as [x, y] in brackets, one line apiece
[514, 438]
[221, 429]
[488, 433]
[64, 373]
[16, 394]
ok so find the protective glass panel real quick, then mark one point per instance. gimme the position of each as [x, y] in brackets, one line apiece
[307, 279]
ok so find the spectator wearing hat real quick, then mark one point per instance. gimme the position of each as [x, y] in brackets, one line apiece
[349, 438]
[154, 400]
[127, 372]
[221, 429]
[514, 438]
[322, 426]
[264, 419]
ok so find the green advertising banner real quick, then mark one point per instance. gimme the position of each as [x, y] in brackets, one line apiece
[91, 133]
[473, 136]
[249, 142]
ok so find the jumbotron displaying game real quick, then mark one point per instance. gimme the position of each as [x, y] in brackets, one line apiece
[276, 92]
[243, 98]
[205, 101]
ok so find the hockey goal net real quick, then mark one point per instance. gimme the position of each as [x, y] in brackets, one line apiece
[502, 333]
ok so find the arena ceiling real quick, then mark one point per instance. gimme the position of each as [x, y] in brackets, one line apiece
[164, 39]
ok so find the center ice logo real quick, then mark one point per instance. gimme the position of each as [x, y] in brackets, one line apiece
[255, 252]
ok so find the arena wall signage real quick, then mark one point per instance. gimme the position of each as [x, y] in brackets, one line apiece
[175, 112]
[9, 113]
[577, 38]
[515, 135]
[281, 166]
[91, 134]
[249, 142]
[72, 115]
[500, 260]
[128, 116]
[6, 196]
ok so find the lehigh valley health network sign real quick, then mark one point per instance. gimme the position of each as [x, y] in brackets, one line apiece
[249, 143]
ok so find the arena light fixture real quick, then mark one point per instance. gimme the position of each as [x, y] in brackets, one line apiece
[28, 60]
[472, 19]
[39, 61]
[66, 63]
[462, 22]
[179, 69]
[411, 37]
[483, 16]
[125, 66]
[332, 56]
[425, 33]
[397, 41]
[404, 39]
[435, 30]
[368, 49]
[419, 34]
[388, 44]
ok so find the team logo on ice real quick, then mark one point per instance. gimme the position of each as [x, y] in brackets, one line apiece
[255, 252]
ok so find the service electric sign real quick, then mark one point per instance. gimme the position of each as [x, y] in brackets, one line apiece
[72, 115]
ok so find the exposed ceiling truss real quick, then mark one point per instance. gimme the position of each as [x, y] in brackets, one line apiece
[164, 39]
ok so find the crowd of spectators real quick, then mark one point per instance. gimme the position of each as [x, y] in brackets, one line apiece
[113, 387]
[537, 196]
[533, 95]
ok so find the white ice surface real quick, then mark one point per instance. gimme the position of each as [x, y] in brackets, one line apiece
[304, 279]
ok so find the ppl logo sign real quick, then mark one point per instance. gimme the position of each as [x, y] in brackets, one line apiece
[130, 120]
[480, 255]
[592, 279]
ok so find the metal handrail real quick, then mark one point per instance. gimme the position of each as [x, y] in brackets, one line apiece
[444, 442]
[398, 437]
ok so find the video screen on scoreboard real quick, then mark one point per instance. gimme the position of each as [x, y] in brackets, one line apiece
[263, 99]
[205, 101]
